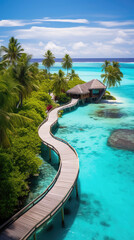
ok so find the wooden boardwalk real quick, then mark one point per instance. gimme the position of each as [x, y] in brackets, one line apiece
[56, 195]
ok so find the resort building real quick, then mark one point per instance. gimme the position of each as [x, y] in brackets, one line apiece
[91, 91]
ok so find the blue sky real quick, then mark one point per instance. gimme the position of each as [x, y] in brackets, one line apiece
[82, 28]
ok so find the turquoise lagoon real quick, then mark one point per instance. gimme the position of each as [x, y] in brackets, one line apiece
[105, 208]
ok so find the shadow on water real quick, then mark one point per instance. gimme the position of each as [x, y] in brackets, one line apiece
[87, 208]
[55, 229]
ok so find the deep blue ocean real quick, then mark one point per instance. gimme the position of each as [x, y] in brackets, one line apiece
[89, 59]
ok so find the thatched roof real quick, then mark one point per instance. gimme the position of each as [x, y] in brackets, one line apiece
[86, 87]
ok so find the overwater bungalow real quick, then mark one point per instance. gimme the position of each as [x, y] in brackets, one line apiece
[91, 91]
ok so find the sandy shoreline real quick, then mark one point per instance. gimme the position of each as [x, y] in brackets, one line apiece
[117, 101]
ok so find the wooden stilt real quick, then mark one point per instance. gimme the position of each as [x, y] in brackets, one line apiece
[62, 214]
[49, 154]
[34, 236]
[76, 186]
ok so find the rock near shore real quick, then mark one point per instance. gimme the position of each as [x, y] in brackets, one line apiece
[122, 139]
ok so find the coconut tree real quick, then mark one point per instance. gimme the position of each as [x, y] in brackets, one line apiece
[13, 51]
[116, 64]
[8, 119]
[3, 63]
[59, 83]
[105, 65]
[73, 74]
[67, 62]
[49, 61]
[25, 74]
[112, 76]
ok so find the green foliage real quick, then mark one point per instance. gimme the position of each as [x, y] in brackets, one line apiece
[59, 83]
[49, 60]
[107, 92]
[13, 51]
[42, 96]
[67, 62]
[20, 158]
[74, 82]
[63, 98]
[19, 141]
[108, 96]
[73, 75]
[25, 74]
[33, 104]
[105, 64]
[8, 97]
[60, 113]
[12, 185]
[112, 76]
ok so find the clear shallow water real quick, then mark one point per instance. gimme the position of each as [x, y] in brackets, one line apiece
[47, 172]
[105, 209]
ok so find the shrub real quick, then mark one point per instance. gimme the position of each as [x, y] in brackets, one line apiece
[63, 98]
[49, 107]
[108, 96]
[74, 82]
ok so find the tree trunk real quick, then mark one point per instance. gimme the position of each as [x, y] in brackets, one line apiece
[21, 100]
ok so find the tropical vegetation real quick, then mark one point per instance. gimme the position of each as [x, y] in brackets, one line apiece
[59, 83]
[13, 51]
[112, 76]
[24, 73]
[73, 74]
[24, 101]
[48, 61]
[67, 62]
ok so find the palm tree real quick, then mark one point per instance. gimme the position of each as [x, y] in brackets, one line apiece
[49, 60]
[105, 65]
[13, 51]
[112, 77]
[25, 74]
[59, 82]
[116, 64]
[73, 74]
[67, 62]
[8, 119]
[3, 64]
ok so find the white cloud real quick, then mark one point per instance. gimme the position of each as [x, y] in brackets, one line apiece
[56, 49]
[78, 41]
[115, 23]
[63, 20]
[41, 44]
[62, 33]
[15, 23]
[38, 50]
[93, 49]
[78, 45]
[118, 40]
[33, 49]
[97, 44]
